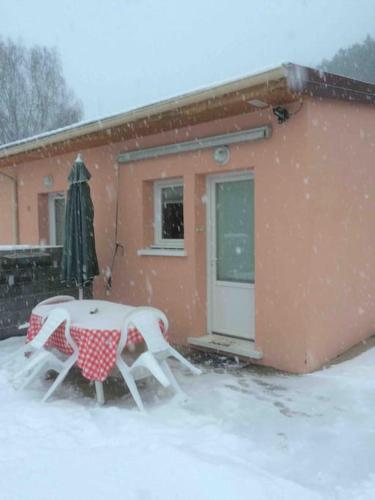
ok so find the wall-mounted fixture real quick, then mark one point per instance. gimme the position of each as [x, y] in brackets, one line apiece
[257, 103]
[221, 155]
[48, 181]
[281, 113]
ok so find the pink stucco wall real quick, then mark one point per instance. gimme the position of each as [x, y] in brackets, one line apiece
[318, 242]
[314, 211]
[340, 181]
[7, 210]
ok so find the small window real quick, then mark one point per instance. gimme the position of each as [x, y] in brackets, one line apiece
[56, 208]
[169, 214]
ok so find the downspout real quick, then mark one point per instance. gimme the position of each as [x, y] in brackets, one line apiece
[15, 207]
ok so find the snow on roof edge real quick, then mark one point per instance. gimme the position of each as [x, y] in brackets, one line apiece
[101, 119]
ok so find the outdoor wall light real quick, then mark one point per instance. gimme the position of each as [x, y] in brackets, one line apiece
[221, 155]
[47, 181]
[281, 113]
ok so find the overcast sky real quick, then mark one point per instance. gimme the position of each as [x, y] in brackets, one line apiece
[119, 54]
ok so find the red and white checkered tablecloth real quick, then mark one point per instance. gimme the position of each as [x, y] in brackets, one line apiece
[97, 347]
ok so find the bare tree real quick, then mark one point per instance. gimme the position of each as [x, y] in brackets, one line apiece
[34, 97]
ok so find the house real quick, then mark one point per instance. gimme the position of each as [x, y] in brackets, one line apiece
[245, 211]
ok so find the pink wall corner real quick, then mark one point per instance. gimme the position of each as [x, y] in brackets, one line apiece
[283, 242]
[341, 271]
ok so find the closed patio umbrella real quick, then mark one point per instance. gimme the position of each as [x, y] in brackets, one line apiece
[79, 261]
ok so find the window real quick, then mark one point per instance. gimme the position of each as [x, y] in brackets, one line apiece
[169, 214]
[56, 209]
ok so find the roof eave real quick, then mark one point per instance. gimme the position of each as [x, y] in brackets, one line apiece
[297, 81]
[316, 83]
[179, 102]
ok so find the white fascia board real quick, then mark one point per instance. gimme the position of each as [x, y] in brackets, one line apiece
[214, 141]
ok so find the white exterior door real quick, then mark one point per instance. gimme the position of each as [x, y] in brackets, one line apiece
[230, 251]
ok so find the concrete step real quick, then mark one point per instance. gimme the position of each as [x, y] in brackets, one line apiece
[223, 344]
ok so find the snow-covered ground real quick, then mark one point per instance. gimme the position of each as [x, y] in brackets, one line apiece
[243, 434]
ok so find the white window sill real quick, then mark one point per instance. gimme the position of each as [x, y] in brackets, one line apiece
[166, 252]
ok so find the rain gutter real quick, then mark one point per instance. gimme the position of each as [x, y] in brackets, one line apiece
[253, 134]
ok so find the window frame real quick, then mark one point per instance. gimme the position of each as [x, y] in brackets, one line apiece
[52, 197]
[159, 241]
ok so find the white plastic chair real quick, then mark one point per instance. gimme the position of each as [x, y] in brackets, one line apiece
[154, 360]
[43, 359]
[128, 372]
[146, 320]
[57, 299]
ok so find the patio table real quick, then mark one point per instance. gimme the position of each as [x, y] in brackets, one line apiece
[96, 329]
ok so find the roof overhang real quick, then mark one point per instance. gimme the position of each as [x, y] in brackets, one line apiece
[316, 83]
[277, 86]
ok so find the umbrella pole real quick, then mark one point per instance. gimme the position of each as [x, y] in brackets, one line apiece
[80, 293]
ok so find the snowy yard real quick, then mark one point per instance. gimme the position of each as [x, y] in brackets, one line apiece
[244, 434]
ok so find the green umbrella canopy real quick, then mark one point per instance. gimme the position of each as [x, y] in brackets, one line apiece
[79, 262]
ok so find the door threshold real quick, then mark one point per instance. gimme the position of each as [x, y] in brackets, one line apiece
[221, 344]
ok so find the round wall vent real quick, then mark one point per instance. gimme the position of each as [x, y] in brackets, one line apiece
[221, 155]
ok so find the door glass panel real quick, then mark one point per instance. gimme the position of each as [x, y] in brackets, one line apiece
[235, 231]
[59, 220]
